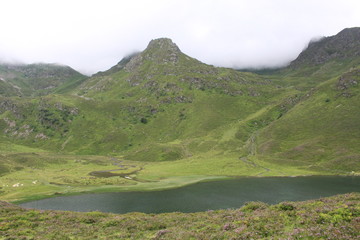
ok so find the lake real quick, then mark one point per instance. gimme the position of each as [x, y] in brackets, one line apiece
[205, 195]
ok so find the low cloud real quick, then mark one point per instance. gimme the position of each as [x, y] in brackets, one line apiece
[92, 36]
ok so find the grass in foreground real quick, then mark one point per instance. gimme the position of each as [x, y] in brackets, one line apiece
[335, 217]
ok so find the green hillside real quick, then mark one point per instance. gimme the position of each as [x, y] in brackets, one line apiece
[164, 119]
[36, 79]
[322, 130]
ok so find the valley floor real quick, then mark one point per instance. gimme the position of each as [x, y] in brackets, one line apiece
[336, 217]
[74, 174]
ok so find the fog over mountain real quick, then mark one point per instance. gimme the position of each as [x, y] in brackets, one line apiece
[92, 36]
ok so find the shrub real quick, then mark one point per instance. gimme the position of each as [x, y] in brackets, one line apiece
[252, 206]
[144, 120]
[285, 207]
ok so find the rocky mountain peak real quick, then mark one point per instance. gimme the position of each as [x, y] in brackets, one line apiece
[159, 51]
[164, 44]
[345, 44]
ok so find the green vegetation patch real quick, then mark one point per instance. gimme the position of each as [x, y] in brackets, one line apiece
[329, 218]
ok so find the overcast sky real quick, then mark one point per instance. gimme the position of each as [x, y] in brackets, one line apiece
[93, 35]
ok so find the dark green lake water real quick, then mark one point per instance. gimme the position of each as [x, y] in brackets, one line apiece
[206, 196]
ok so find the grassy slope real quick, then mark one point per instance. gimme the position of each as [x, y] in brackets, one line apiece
[328, 218]
[179, 123]
[320, 132]
[37, 79]
[182, 143]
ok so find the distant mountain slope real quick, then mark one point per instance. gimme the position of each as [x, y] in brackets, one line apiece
[322, 131]
[162, 69]
[140, 106]
[343, 46]
[36, 79]
[161, 105]
[326, 58]
[7, 88]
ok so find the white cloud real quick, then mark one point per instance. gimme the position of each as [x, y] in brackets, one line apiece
[94, 35]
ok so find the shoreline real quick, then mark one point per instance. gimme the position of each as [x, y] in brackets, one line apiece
[159, 186]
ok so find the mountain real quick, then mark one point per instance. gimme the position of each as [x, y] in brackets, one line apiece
[148, 94]
[343, 46]
[321, 130]
[162, 63]
[168, 120]
[323, 59]
[36, 79]
[163, 94]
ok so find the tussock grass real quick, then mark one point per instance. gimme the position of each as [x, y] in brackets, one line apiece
[331, 218]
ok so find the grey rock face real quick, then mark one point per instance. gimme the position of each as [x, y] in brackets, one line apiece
[346, 44]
